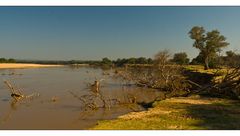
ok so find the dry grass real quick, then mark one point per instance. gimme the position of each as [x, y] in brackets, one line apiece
[181, 113]
[218, 73]
[200, 69]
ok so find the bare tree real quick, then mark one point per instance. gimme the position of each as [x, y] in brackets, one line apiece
[162, 75]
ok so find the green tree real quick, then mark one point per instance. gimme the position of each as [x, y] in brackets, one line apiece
[106, 61]
[232, 59]
[208, 43]
[150, 61]
[198, 60]
[230, 54]
[131, 61]
[180, 58]
[11, 60]
[3, 60]
[141, 60]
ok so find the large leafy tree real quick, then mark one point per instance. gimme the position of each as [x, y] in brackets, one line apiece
[208, 43]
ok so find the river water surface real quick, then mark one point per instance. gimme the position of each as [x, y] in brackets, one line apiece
[55, 107]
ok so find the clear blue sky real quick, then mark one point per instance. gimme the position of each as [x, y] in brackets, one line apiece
[89, 33]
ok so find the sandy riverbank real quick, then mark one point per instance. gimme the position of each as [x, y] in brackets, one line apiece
[24, 65]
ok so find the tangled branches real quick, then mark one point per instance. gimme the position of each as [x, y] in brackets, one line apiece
[229, 86]
[162, 75]
[95, 98]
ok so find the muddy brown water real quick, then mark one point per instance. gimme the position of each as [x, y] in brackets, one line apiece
[65, 111]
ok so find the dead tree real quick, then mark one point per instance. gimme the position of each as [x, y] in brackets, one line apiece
[96, 86]
[227, 87]
[96, 98]
[17, 94]
[162, 75]
[229, 84]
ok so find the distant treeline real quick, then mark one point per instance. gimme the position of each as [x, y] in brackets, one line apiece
[122, 62]
[103, 62]
[62, 62]
[4, 60]
[230, 59]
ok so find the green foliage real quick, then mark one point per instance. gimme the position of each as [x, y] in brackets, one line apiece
[230, 54]
[132, 61]
[208, 43]
[198, 60]
[231, 60]
[11, 60]
[106, 61]
[150, 61]
[140, 60]
[213, 62]
[120, 62]
[180, 58]
[3, 60]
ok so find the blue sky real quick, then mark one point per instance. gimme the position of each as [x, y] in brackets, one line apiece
[91, 33]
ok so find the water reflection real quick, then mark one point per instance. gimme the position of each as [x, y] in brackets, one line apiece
[13, 104]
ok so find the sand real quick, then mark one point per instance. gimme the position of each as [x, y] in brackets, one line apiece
[24, 65]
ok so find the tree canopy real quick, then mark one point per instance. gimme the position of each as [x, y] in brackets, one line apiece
[208, 43]
[4, 60]
[180, 58]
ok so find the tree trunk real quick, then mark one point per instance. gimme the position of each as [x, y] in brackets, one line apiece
[206, 67]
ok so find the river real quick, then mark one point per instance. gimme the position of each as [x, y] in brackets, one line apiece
[57, 108]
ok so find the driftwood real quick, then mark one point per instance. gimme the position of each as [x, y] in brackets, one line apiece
[91, 101]
[17, 94]
[88, 100]
[95, 86]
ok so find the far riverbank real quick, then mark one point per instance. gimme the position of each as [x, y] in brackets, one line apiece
[25, 65]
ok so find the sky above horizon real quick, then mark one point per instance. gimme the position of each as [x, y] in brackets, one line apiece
[91, 33]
